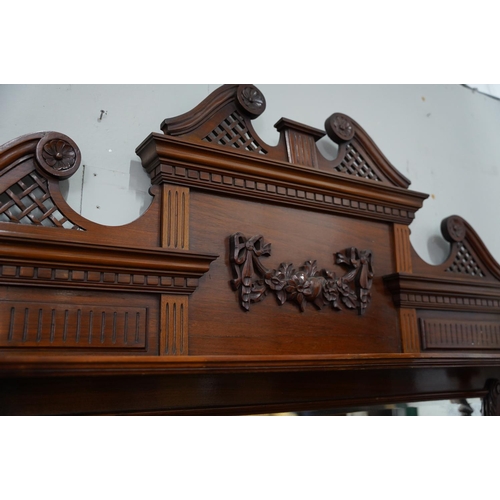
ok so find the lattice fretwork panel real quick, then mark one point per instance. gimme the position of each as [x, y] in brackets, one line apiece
[465, 263]
[28, 202]
[354, 164]
[233, 132]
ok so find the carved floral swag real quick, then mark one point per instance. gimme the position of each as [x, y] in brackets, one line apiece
[302, 285]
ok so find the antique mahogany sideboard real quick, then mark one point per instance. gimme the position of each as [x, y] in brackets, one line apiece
[260, 279]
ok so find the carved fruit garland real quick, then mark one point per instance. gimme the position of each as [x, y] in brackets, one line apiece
[305, 284]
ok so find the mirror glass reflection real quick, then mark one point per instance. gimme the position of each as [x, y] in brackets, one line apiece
[455, 408]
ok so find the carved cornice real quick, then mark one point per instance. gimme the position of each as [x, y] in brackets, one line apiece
[436, 292]
[28, 365]
[176, 161]
[37, 262]
[95, 278]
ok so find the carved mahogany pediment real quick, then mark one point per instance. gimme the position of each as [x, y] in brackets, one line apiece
[224, 120]
[231, 157]
[187, 309]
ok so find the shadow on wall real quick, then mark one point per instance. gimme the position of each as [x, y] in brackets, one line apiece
[129, 190]
[140, 183]
[438, 248]
[328, 148]
[64, 187]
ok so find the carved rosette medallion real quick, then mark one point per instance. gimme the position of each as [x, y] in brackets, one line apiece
[491, 402]
[251, 99]
[305, 284]
[339, 128]
[58, 155]
[453, 228]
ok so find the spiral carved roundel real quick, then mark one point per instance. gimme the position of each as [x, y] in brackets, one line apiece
[251, 99]
[453, 228]
[58, 155]
[339, 128]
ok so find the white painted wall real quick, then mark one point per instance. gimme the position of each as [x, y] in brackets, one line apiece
[443, 137]
[486, 88]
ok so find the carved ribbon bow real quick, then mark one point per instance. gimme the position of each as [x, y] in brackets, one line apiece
[246, 252]
[361, 262]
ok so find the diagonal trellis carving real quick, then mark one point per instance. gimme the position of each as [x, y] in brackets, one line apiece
[465, 263]
[28, 202]
[233, 132]
[354, 164]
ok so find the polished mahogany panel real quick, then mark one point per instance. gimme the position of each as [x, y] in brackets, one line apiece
[218, 325]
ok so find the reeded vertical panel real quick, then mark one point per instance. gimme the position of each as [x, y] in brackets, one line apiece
[455, 334]
[175, 217]
[174, 326]
[409, 330]
[402, 248]
[301, 149]
[30, 324]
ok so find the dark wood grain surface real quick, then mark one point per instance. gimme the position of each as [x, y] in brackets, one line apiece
[218, 324]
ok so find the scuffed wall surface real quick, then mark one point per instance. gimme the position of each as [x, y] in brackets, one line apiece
[442, 137]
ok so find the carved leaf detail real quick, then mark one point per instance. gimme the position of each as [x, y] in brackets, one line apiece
[281, 295]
